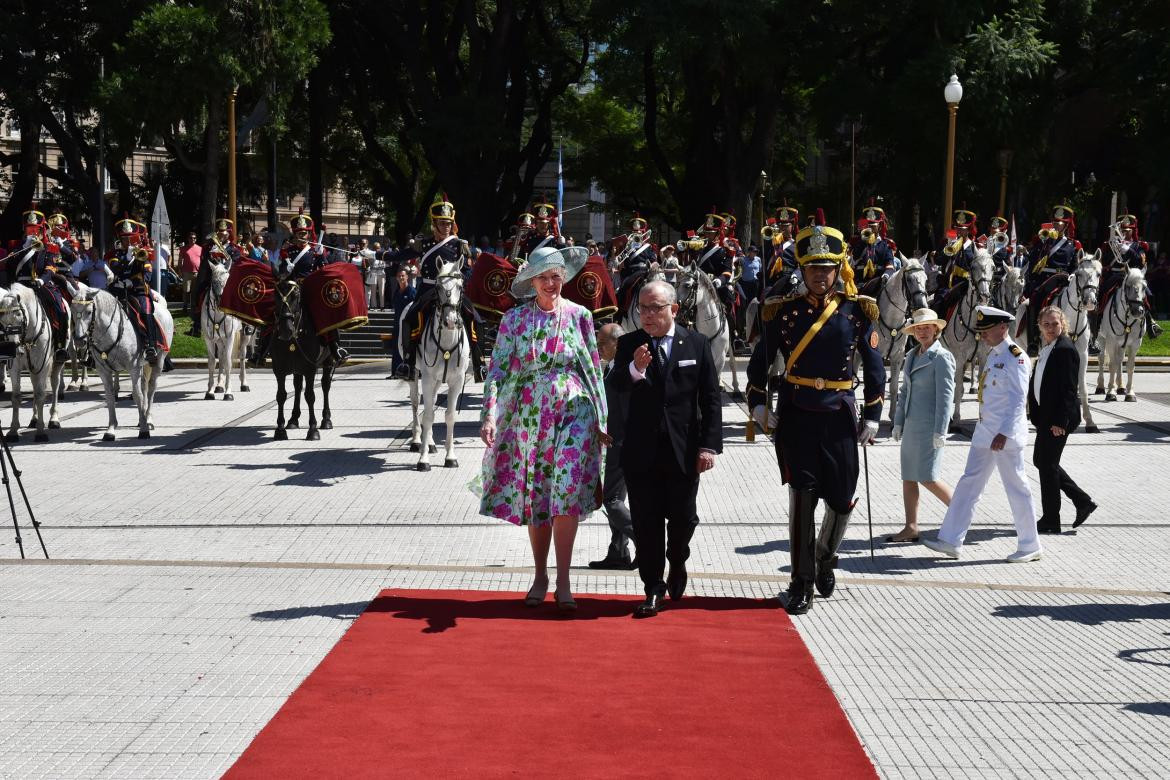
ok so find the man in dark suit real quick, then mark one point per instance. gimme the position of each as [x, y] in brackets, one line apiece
[673, 432]
[1055, 410]
[614, 483]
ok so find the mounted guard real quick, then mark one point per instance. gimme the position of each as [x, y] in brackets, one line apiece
[132, 263]
[221, 249]
[1127, 251]
[634, 256]
[546, 230]
[779, 246]
[715, 259]
[37, 267]
[958, 252]
[1052, 257]
[874, 252]
[443, 247]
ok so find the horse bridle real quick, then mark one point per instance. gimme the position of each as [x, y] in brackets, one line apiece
[911, 297]
[1126, 323]
[1078, 330]
[440, 315]
[22, 329]
[91, 338]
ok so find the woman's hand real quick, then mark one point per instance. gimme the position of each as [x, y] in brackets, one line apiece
[487, 432]
[606, 439]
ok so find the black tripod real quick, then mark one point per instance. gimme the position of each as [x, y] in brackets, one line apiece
[5, 461]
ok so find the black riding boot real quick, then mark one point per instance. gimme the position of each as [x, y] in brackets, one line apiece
[261, 349]
[339, 353]
[1094, 328]
[832, 532]
[477, 362]
[1033, 333]
[1153, 329]
[801, 506]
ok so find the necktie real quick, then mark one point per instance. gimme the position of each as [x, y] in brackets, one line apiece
[659, 357]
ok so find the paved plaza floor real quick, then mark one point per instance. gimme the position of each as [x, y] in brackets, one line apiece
[199, 576]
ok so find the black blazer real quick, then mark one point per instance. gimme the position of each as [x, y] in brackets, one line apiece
[687, 402]
[1059, 403]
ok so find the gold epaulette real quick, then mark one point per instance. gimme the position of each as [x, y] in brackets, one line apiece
[1015, 350]
[870, 307]
[772, 305]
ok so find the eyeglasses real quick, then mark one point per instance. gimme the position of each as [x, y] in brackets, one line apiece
[655, 308]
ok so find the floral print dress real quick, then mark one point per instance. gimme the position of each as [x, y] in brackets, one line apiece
[545, 395]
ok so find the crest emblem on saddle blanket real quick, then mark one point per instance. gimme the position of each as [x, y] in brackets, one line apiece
[335, 293]
[496, 282]
[589, 284]
[251, 289]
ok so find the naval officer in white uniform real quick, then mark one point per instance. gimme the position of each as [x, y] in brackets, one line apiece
[998, 442]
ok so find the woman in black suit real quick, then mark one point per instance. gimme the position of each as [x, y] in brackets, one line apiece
[1055, 410]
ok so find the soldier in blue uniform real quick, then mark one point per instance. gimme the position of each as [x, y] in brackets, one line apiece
[998, 243]
[444, 246]
[1050, 260]
[639, 253]
[38, 269]
[546, 230]
[1123, 251]
[714, 259]
[132, 263]
[874, 252]
[779, 254]
[818, 426]
[222, 249]
[958, 252]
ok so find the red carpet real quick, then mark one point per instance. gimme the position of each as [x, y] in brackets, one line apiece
[437, 683]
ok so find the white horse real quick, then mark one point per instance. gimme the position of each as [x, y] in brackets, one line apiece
[222, 334]
[100, 324]
[444, 356]
[959, 336]
[1121, 332]
[700, 308]
[25, 323]
[902, 293]
[1077, 300]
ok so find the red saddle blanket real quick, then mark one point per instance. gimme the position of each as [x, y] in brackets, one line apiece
[336, 297]
[489, 289]
[250, 292]
[593, 288]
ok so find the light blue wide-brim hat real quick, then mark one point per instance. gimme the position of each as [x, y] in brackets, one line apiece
[571, 258]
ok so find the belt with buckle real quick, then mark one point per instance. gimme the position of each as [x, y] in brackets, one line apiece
[819, 383]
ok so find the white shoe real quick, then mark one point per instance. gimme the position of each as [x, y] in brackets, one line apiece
[939, 546]
[1019, 556]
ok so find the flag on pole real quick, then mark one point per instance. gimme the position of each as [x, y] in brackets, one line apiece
[160, 231]
[560, 188]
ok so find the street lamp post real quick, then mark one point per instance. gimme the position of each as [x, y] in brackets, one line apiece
[763, 196]
[1005, 162]
[952, 93]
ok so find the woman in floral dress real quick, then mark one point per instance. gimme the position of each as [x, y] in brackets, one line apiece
[544, 417]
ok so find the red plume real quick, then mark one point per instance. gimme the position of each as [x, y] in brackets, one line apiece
[820, 217]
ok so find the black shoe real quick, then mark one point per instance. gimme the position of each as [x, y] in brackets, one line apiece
[798, 599]
[195, 333]
[649, 607]
[633, 565]
[1153, 329]
[1094, 348]
[826, 580]
[168, 364]
[151, 355]
[676, 583]
[1053, 530]
[1083, 513]
[612, 562]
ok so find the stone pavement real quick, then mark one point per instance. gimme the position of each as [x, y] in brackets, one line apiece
[199, 576]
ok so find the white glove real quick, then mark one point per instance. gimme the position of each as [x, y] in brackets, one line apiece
[718, 283]
[765, 417]
[897, 433]
[939, 440]
[866, 431]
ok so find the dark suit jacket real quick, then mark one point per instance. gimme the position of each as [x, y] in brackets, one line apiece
[1059, 404]
[686, 401]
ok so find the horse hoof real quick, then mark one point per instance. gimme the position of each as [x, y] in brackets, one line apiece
[1110, 397]
[313, 435]
[1092, 429]
[11, 437]
[150, 425]
[451, 463]
[31, 424]
[327, 425]
[414, 446]
[54, 423]
[108, 437]
[244, 388]
[280, 435]
[41, 437]
[209, 396]
[422, 465]
[1131, 397]
[144, 434]
[432, 449]
[1099, 391]
[218, 389]
[228, 397]
[70, 388]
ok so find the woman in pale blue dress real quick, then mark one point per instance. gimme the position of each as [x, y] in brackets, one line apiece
[922, 415]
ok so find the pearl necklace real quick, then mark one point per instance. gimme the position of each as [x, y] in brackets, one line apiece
[532, 346]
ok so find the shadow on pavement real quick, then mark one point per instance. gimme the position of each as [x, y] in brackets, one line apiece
[1088, 614]
[320, 468]
[1149, 708]
[336, 611]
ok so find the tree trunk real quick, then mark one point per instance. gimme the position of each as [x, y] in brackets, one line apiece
[24, 184]
[210, 195]
[316, 131]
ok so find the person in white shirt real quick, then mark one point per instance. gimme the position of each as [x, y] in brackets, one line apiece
[998, 443]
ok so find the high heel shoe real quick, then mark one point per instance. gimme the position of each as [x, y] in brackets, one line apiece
[566, 603]
[536, 595]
